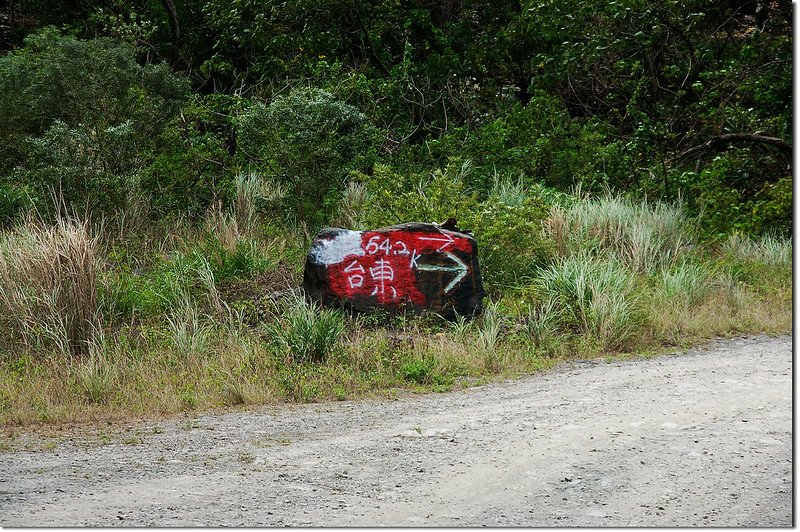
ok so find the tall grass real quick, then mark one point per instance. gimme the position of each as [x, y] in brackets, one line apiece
[685, 285]
[643, 236]
[190, 334]
[768, 249]
[596, 297]
[355, 199]
[306, 332]
[487, 337]
[48, 286]
[507, 191]
[542, 322]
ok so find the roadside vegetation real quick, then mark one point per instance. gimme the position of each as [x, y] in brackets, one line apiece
[158, 195]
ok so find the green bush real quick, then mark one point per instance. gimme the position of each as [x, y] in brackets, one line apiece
[77, 116]
[195, 165]
[418, 371]
[728, 198]
[685, 285]
[310, 141]
[539, 142]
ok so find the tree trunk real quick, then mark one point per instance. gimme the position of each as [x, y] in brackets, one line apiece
[6, 23]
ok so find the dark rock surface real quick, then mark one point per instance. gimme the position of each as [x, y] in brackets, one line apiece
[412, 266]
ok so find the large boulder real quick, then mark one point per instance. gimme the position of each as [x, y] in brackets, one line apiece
[412, 266]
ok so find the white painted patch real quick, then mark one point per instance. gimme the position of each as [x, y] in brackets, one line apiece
[334, 251]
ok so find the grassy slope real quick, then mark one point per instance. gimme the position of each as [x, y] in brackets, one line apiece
[176, 319]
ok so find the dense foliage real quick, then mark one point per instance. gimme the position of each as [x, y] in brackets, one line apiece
[663, 99]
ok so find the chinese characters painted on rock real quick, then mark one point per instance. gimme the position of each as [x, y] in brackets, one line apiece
[419, 265]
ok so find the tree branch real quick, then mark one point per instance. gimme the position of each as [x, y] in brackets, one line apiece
[721, 141]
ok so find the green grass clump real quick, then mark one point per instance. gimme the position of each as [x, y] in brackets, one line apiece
[770, 250]
[644, 237]
[598, 297]
[307, 333]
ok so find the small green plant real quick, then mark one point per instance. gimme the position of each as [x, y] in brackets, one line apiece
[235, 389]
[300, 382]
[307, 333]
[188, 396]
[418, 371]
[339, 392]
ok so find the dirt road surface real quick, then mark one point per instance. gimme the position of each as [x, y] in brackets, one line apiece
[699, 438]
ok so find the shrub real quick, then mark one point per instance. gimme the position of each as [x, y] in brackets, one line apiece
[510, 244]
[189, 335]
[95, 376]
[542, 321]
[76, 116]
[310, 141]
[419, 371]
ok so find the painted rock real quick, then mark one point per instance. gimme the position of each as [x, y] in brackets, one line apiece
[413, 266]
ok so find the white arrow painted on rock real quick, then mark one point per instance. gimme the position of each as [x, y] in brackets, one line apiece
[447, 240]
[459, 267]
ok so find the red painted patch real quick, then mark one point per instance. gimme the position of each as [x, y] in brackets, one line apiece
[388, 268]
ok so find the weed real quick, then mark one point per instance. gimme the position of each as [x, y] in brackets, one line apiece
[355, 199]
[235, 390]
[598, 297]
[95, 375]
[419, 371]
[300, 383]
[188, 396]
[48, 285]
[339, 392]
[246, 458]
[307, 333]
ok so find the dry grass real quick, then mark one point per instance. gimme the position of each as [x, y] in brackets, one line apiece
[48, 286]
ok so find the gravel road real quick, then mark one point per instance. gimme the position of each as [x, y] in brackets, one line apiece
[698, 438]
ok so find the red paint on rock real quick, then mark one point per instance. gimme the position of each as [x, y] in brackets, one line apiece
[388, 268]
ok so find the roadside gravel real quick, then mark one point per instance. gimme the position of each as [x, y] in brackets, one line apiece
[698, 438]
